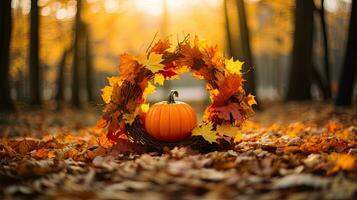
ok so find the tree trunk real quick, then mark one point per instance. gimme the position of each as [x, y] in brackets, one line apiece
[300, 72]
[348, 74]
[60, 77]
[34, 62]
[326, 51]
[228, 30]
[6, 103]
[76, 58]
[89, 66]
[245, 54]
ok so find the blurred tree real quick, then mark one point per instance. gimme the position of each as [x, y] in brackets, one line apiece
[88, 65]
[326, 50]
[246, 53]
[76, 77]
[34, 60]
[300, 72]
[239, 47]
[5, 38]
[348, 73]
[228, 29]
[60, 97]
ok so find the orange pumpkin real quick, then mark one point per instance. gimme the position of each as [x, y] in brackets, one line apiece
[171, 120]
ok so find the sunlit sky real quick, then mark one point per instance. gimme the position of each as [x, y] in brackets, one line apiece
[152, 7]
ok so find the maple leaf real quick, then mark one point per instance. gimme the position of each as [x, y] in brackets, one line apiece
[228, 86]
[205, 130]
[129, 118]
[102, 122]
[114, 80]
[107, 94]
[145, 107]
[153, 62]
[294, 129]
[129, 67]
[24, 147]
[159, 79]
[150, 88]
[108, 90]
[342, 161]
[168, 73]
[228, 130]
[238, 137]
[161, 46]
[250, 99]
[228, 111]
[212, 58]
[213, 93]
[233, 67]
[51, 154]
[191, 56]
[333, 126]
[41, 153]
[104, 141]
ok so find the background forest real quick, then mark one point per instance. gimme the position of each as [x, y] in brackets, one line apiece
[61, 51]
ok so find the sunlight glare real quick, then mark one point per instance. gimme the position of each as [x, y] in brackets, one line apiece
[45, 11]
[331, 5]
[61, 14]
[111, 5]
[152, 7]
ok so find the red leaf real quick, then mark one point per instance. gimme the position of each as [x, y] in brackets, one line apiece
[168, 73]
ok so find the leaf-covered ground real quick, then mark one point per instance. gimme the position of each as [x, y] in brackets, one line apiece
[304, 151]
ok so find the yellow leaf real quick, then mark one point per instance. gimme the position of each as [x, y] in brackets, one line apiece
[205, 130]
[251, 100]
[129, 118]
[148, 90]
[159, 79]
[233, 67]
[213, 93]
[238, 137]
[113, 80]
[145, 107]
[342, 161]
[107, 94]
[153, 63]
[227, 130]
[51, 154]
[294, 129]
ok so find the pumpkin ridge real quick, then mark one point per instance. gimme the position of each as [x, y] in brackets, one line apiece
[190, 115]
[162, 124]
[179, 121]
[157, 127]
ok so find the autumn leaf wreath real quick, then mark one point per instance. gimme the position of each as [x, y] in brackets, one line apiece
[125, 96]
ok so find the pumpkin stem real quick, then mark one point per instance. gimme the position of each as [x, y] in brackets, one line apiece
[171, 96]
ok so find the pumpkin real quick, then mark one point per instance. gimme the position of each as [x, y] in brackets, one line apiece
[170, 121]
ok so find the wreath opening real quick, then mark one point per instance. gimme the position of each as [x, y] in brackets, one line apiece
[126, 95]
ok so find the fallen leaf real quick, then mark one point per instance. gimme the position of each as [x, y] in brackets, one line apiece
[205, 130]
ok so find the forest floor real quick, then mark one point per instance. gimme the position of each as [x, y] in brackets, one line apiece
[291, 151]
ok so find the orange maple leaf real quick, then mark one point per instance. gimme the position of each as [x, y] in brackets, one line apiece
[191, 56]
[333, 126]
[161, 46]
[342, 162]
[129, 67]
[211, 57]
[41, 153]
[228, 86]
[229, 112]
